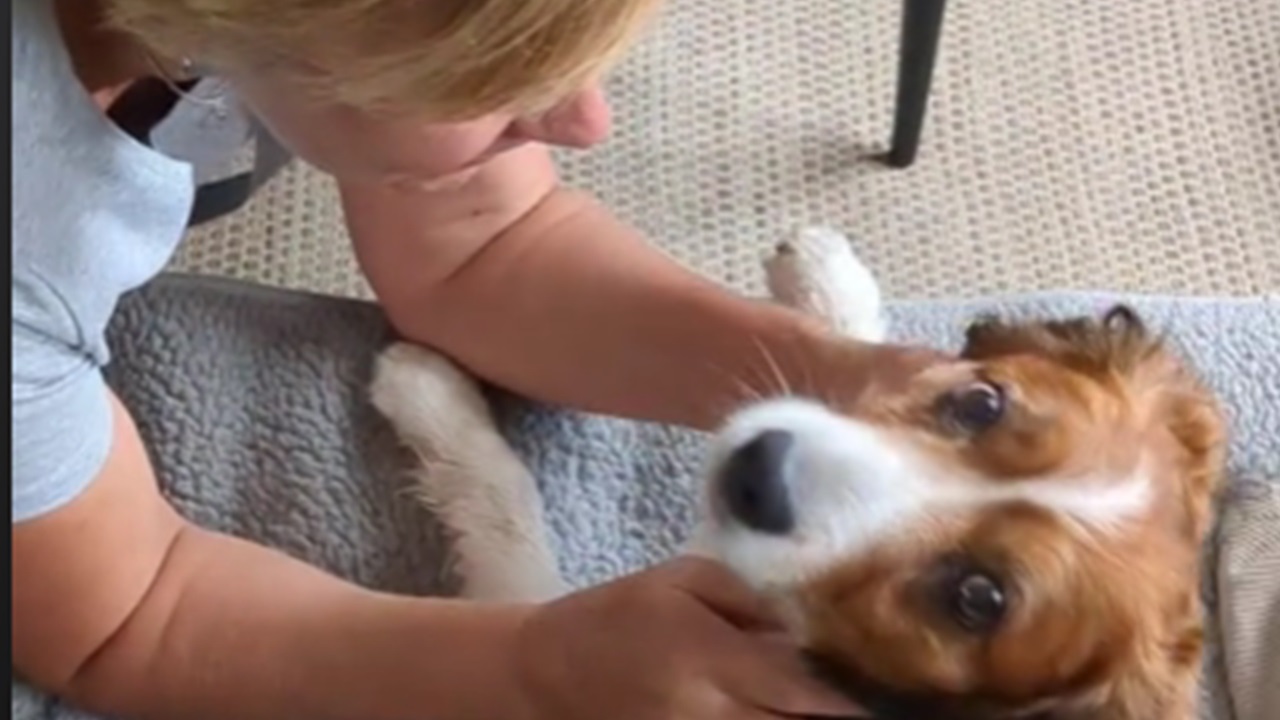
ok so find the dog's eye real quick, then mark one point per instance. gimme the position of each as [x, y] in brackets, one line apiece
[968, 594]
[974, 408]
[977, 602]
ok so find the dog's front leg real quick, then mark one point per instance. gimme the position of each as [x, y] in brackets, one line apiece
[818, 274]
[470, 477]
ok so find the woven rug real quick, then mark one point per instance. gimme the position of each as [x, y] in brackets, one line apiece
[1070, 144]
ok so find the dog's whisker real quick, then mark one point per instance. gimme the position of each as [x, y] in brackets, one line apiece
[749, 393]
[810, 380]
[757, 385]
[783, 386]
[744, 392]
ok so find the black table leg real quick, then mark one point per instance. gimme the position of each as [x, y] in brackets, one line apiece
[921, 29]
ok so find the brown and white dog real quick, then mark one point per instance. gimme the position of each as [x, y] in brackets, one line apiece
[1016, 533]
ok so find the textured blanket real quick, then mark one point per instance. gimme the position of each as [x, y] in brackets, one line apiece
[254, 404]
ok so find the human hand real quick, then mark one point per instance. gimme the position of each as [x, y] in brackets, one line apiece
[684, 640]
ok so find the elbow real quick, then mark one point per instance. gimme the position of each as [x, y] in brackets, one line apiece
[443, 308]
[417, 318]
[91, 578]
[57, 665]
[70, 673]
[94, 650]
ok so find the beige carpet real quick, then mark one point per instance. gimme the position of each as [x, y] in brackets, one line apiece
[1071, 144]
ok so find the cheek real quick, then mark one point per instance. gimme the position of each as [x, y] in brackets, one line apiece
[404, 151]
[450, 148]
[351, 144]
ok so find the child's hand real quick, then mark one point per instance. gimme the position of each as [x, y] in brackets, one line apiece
[684, 640]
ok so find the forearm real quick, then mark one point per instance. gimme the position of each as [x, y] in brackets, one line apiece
[231, 629]
[570, 306]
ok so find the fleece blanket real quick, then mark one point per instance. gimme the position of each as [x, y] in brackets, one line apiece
[254, 404]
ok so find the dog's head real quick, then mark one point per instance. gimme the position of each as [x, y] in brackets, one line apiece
[1014, 533]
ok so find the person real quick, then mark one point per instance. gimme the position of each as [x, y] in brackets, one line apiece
[435, 118]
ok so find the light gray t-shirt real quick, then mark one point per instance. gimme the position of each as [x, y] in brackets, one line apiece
[95, 214]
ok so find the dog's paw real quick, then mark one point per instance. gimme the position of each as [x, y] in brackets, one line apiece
[426, 397]
[818, 273]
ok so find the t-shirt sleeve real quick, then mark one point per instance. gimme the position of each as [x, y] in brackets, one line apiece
[62, 425]
[95, 215]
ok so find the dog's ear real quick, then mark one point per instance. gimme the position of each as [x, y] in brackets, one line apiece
[1157, 681]
[1124, 320]
[1162, 684]
[1196, 421]
[990, 336]
[1116, 340]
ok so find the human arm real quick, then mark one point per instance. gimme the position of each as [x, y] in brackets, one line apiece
[125, 608]
[540, 289]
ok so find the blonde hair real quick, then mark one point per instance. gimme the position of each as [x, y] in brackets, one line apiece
[450, 59]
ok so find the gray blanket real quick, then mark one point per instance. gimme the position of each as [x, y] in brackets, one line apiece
[254, 404]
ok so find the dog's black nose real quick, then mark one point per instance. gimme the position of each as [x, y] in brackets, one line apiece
[754, 484]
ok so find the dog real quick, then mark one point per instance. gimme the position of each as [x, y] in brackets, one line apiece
[1015, 533]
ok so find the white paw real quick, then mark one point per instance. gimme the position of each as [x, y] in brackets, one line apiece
[427, 398]
[469, 477]
[818, 273]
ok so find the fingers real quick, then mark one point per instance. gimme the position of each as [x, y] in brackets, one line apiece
[716, 587]
[709, 702]
[768, 673]
[758, 664]
[751, 713]
[754, 669]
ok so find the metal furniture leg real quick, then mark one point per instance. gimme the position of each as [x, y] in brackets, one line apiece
[917, 53]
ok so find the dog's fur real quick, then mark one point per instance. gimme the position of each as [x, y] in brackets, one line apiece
[1085, 502]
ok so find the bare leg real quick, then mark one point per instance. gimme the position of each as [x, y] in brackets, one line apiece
[469, 477]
